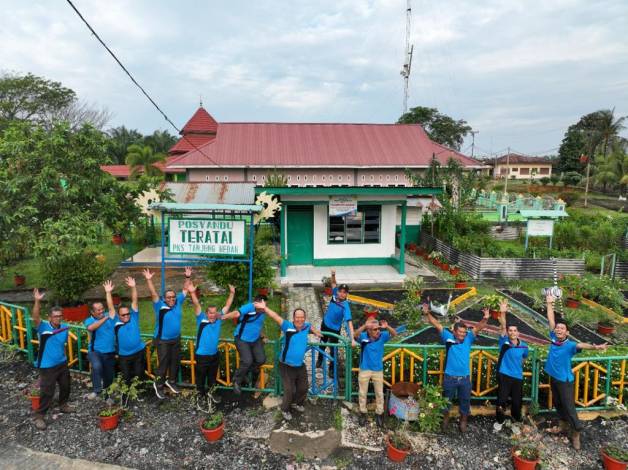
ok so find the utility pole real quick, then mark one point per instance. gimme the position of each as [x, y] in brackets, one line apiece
[407, 65]
[473, 141]
[507, 171]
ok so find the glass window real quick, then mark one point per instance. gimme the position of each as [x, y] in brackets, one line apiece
[361, 227]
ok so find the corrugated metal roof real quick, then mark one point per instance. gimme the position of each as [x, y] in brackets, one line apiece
[187, 143]
[200, 122]
[518, 158]
[312, 145]
[176, 207]
[212, 193]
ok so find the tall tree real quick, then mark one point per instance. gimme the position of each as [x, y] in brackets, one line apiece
[440, 127]
[160, 141]
[142, 160]
[610, 169]
[120, 138]
[608, 127]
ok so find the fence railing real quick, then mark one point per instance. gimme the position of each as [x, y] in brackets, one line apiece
[598, 380]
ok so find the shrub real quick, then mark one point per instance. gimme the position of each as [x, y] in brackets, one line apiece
[544, 181]
[569, 197]
[213, 421]
[431, 405]
[572, 178]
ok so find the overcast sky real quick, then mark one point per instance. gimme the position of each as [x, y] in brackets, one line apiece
[519, 72]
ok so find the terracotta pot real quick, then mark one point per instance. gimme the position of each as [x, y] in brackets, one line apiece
[411, 246]
[19, 280]
[572, 303]
[328, 290]
[394, 454]
[454, 271]
[605, 329]
[426, 256]
[495, 314]
[370, 314]
[444, 267]
[610, 463]
[522, 464]
[263, 291]
[78, 313]
[107, 423]
[215, 434]
[419, 251]
[460, 285]
[34, 402]
[117, 239]
[117, 300]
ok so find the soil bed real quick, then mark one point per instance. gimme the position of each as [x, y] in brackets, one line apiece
[431, 336]
[394, 295]
[475, 314]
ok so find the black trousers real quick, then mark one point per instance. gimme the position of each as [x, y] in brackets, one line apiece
[48, 378]
[252, 357]
[168, 354]
[563, 395]
[328, 339]
[133, 365]
[509, 387]
[295, 385]
[206, 369]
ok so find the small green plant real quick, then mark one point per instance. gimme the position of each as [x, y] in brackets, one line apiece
[213, 421]
[35, 392]
[436, 255]
[399, 438]
[299, 457]
[338, 420]
[409, 307]
[108, 412]
[431, 404]
[617, 452]
[342, 462]
[528, 443]
[121, 392]
[492, 301]
[534, 408]
[462, 277]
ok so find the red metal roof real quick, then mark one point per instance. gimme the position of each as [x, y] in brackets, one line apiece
[313, 145]
[518, 158]
[123, 171]
[185, 143]
[200, 123]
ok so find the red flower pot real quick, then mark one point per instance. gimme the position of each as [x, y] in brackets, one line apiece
[370, 314]
[495, 314]
[572, 303]
[78, 313]
[444, 267]
[610, 463]
[328, 290]
[19, 280]
[522, 464]
[419, 251]
[117, 239]
[34, 402]
[605, 329]
[460, 285]
[117, 300]
[107, 423]
[394, 454]
[411, 246]
[263, 291]
[426, 256]
[213, 435]
[454, 271]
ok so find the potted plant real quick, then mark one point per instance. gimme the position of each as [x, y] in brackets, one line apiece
[527, 448]
[454, 269]
[492, 302]
[397, 445]
[118, 393]
[213, 427]
[436, 257]
[108, 419]
[460, 280]
[411, 246]
[606, 327]
[370, 312]
[573, 285]
[34, 397]
[614, 457]
[420, 251]
[326, 281]
[19, 280]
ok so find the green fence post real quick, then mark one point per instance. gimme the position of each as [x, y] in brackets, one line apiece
[79, 346]
[348, 369]
[425, 358]
[29, 336]
[276, 353]
[609, 380]
[535, 378]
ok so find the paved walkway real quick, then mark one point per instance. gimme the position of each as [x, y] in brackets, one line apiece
[17, 457]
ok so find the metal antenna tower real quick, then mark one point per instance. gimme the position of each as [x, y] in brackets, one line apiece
[407, 65]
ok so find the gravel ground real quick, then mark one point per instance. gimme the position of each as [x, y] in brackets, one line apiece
[160, 436]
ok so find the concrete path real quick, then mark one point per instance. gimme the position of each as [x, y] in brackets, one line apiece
[16, 457]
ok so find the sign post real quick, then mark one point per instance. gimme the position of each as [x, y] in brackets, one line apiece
[206, 236]
[539, 228]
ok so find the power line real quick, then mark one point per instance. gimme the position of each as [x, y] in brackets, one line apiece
[137, 84]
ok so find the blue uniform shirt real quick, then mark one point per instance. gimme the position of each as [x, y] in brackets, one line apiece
[168, 320]
[372, 351]
[337, 312]
[207, 335]
[511, 357]
[102, 339]
[558, 363]
[250, 324]
[457, 354]
[51, 344]
[294, 343]
[128, 335]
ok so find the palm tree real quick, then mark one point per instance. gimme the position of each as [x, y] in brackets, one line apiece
[142, 159]
[611, 170]
[608, 128]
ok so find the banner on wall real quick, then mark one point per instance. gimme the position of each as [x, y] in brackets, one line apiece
[206, 236]
[342, 205]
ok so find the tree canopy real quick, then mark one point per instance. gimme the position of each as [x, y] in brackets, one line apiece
[439, 127]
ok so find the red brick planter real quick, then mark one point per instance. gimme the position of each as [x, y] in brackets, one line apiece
[460, 285]
[604, 329]
[572, 303]
[78, 313]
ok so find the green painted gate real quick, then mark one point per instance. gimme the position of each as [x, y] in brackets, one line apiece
[300, 234]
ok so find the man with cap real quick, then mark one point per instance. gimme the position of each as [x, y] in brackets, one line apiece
[512, 354]
[101, 351]
[372, 341]
[291, 360]
[558, 367]
[338, 313]
[457, 380]
[167, 337]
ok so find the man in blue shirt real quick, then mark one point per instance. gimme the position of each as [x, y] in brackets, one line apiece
[291, 366]
[558, 367]
[338, 313]
[457, 379]
[206, 355]
[167, 337]
[248, 341]
[101, 350]
[512, 354]
[130, 347]
[51, 360]
[372, 343]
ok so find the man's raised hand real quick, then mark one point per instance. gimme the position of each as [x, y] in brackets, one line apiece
[108, 285]
[188, 271]
[503, 305]
[231, 289]
[148, 275]
[486, 312]
[38, 295]
[130, 281]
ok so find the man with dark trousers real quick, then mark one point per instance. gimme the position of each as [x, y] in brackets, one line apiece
[206, 353]
[51, 360]
[338, 313]
[457, 380]
[167, 336]
[512, 354]
[126, 329]
[101, 351]
[558, 367]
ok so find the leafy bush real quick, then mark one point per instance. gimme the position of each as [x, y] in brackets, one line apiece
[572, 178]
[408, 309]
[544, 181]
[431, 405]
[213, 421]
[569, 197]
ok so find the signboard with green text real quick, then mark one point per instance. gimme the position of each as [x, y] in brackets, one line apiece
[206, 236]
